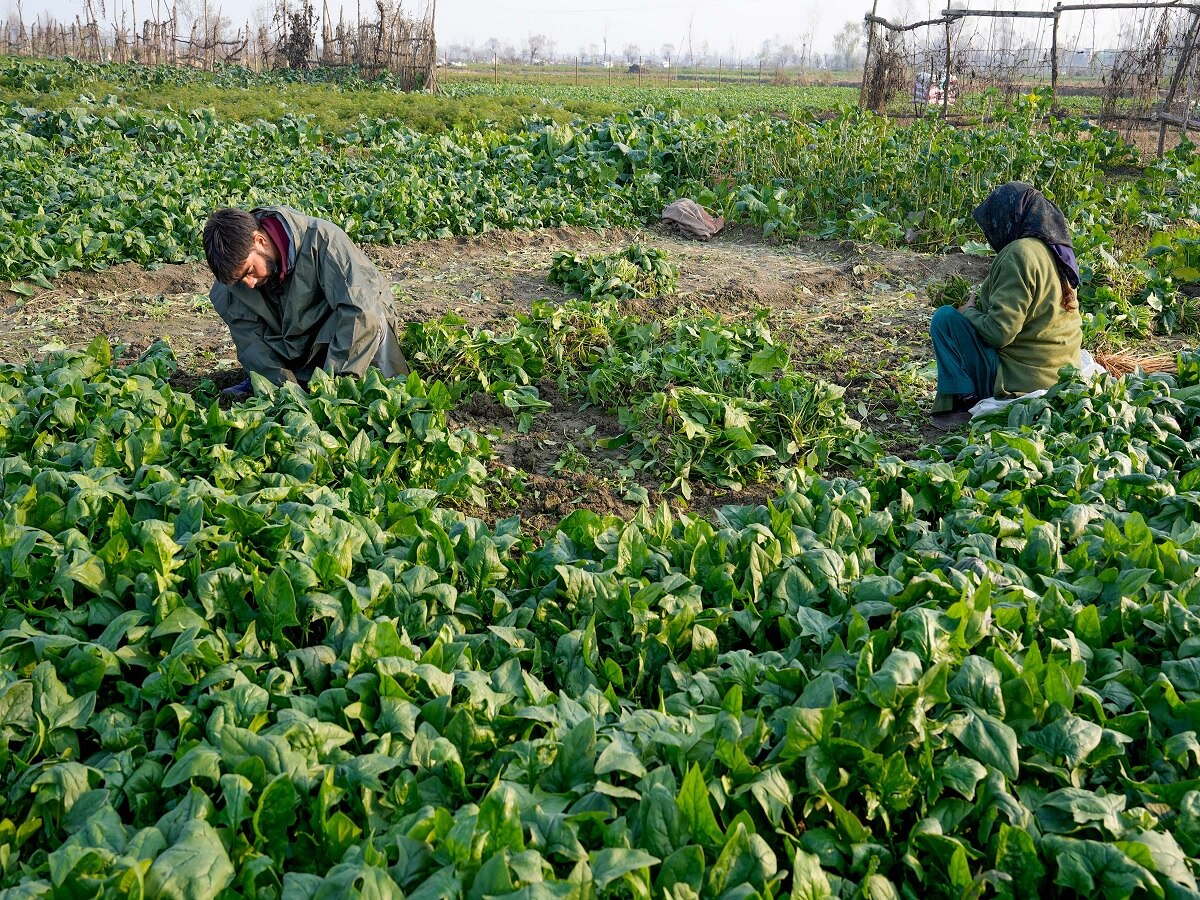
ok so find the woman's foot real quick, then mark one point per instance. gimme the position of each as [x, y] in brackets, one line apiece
[950, 420]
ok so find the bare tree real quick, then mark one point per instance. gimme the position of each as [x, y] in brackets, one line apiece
[846, 45]
[632, 53]
[806, 46]
[537, 45]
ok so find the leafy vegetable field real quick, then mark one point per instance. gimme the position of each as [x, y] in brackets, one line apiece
[253, 650]
[293, 648]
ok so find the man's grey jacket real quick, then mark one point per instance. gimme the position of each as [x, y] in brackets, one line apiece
[334, 310]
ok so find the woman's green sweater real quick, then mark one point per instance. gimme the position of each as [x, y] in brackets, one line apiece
[1020, 313]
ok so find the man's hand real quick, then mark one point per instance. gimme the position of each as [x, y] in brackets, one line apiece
[238, 392]
[969, 304]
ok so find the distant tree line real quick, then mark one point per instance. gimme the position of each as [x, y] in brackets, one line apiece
[799, 51]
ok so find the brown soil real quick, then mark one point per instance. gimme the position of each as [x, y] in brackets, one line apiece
[853, 314]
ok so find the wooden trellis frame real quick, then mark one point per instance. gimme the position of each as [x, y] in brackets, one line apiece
[1163, 114]
[403, 46]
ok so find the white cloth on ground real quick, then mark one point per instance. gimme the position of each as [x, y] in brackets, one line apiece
[1087, 367]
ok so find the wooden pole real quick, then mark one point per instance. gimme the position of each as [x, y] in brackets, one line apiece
[431, 78]
[1180, 68]
[946, 74]
[1187, 107]
[1182, 121]
[862, 90]
[998, 13]
[1054, 62]
[326, 32]
[1088, 7]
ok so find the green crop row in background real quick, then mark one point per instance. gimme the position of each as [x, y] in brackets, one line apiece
[96, 183]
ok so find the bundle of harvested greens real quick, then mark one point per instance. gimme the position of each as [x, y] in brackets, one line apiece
[1121, 363]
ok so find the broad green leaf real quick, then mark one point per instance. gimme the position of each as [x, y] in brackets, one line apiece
[1017, 856]
[1098, 869]
[1168, 857]
[1070, 809]
[745, 859]
[493, 878]
[612, 863]
[276, 605]
[500, 820]
[806, 728]
[809, 881]
[16, 705]
[356, 879]
[618, 756]
[697, 811]
[1069, 739]
[201, 761]
[683, 867]
[275, 815]
[195, 867]
[977, 685]
[988, 740]
[660, 822]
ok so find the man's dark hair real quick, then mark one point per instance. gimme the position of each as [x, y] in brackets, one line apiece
[228, 240]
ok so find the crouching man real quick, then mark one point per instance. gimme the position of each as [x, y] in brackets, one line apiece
[298, 295]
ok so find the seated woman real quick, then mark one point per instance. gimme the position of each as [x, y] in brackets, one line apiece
[1025, 324]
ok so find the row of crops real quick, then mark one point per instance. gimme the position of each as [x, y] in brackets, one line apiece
[49, 78]
[254, 650]
[698, 398]
[91, 185]
[702, 93]
[689, 97]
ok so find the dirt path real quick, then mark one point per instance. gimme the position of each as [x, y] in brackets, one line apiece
[854, 315]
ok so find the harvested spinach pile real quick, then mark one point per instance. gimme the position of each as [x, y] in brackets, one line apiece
[634, 272]
[250, 652]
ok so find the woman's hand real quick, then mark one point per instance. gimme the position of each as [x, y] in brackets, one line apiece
[969, 304]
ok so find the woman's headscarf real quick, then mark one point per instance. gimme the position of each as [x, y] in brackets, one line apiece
[1016, 210]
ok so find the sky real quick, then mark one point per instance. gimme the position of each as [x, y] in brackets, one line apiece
[733, 27]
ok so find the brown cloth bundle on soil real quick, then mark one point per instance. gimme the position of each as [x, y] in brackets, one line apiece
[692, 220]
